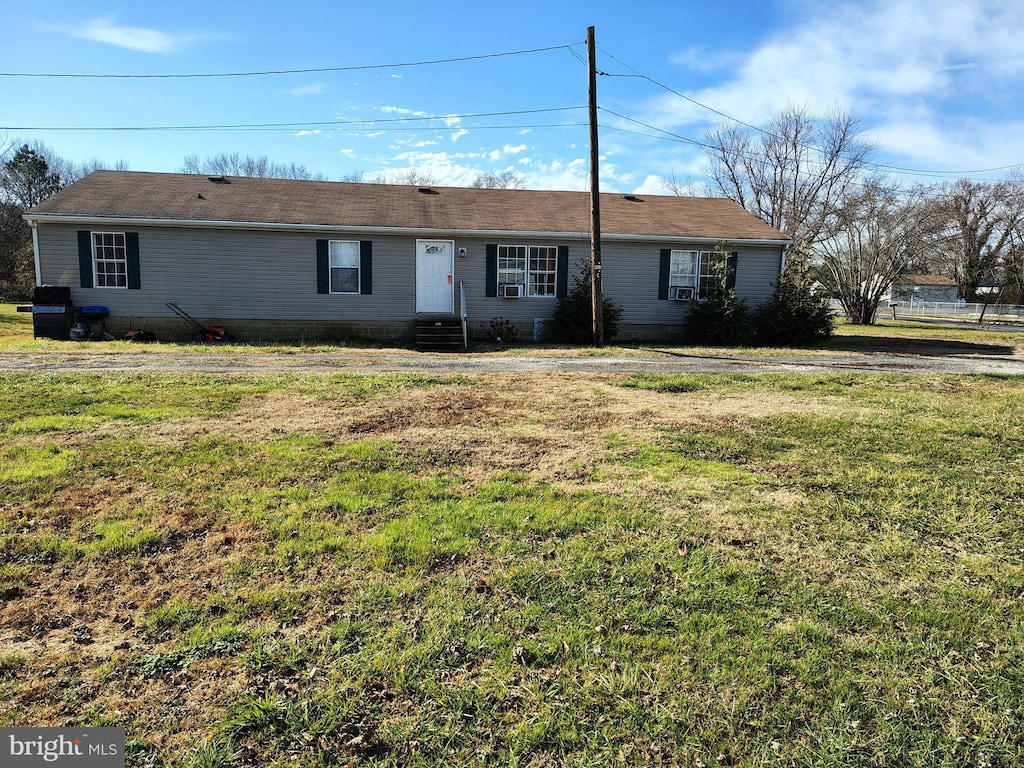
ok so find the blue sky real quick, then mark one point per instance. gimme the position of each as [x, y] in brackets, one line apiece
[937, 83]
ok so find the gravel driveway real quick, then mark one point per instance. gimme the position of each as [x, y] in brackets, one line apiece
[87, 358]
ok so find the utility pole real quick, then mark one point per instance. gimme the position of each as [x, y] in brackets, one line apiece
[595, 197]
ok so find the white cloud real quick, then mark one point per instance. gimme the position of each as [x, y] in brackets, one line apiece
[315, 132]
[905, 67]
[559, 174]
[104, 30]
[392, 110]
[307, 90]
[506, 150]
[456, 135]
[652, 185]
[703, 59]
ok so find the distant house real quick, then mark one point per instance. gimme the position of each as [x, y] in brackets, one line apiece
[924, 288]
[274, 258]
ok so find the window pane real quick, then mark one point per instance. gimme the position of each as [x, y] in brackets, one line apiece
[542, 270]
[344, 253]
[683, 269]
[512, 264]
[344, 280]
[542, 284]
[110, 259]
[710, 276]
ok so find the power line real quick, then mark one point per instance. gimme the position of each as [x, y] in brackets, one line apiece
[669, 135]
[349, 124]
[675, 137]
[306, 71]
[878, 166]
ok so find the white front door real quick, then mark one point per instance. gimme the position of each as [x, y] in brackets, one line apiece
[435, 276]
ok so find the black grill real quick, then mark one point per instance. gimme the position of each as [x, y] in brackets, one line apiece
[51, 312]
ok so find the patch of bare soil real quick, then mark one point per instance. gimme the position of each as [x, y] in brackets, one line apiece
[542, 422]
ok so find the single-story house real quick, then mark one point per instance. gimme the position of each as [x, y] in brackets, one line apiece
[923, 288]
[274, 258]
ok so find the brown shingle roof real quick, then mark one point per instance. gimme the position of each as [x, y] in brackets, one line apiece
[183, 197]
[925, 280]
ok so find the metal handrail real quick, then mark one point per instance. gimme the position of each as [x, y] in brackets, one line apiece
[465, 327]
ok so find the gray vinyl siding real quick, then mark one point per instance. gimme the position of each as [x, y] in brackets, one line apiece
[631, 278]
[757, 273]
[235, 274]
[255, 274]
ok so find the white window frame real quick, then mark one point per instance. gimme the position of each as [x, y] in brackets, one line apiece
[542, 283]
[700, 276]
[331, 266]
[114, 256]
[519, 265]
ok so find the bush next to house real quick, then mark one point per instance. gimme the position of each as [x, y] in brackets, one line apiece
[573, 319]
[501, 330]
[794, 315]
[720, 317]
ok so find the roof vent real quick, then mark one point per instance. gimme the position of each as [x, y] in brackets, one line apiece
[429, 191]
[218, 179]
[632, 198]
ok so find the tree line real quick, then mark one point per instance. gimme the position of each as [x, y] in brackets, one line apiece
[856, 225]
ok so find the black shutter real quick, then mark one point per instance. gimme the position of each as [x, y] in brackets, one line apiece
[562, 272]
[85, 257]
[366, 266]
[491, 271]
[664, 270]
[730, 271]
[131, 247]
[323, 268]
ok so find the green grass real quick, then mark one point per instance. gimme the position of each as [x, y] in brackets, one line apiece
[770, 570]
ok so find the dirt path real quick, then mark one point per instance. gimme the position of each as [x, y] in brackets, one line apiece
[99, 359]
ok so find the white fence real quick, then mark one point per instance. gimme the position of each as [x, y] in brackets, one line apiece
[950, 310]
[956, 310]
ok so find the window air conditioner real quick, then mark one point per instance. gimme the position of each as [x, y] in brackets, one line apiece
[680, 293]
[510, 290]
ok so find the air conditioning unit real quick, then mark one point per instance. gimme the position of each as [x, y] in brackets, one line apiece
[510, 290]
[680, 293]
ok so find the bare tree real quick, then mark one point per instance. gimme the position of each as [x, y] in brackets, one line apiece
[507, 179]
[414, 177]
[233, 164]
[75, 171]
[1013, 270]
[982, 220]
[678, 186]
[875, 233]
[792, 173]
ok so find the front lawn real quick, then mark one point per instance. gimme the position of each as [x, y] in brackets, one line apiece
[517, 569]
